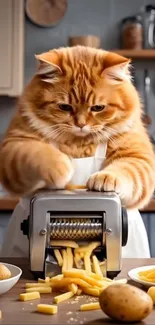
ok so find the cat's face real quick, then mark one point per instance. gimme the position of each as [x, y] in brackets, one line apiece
[83, 92]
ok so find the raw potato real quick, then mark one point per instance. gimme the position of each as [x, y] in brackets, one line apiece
[125, 303]
[4, 272]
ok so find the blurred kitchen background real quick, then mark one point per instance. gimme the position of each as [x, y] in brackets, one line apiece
[34, 26]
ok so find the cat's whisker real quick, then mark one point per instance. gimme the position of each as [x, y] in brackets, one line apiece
[106, 128]
[103, 136]
[114, 141]
[61, 125]
[94, 136]
[57, 132]
[57, 137]
[98, 135]
[54, 131]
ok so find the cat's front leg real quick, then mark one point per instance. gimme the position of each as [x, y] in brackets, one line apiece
[26, 166]
[131, 178]
[112, 180]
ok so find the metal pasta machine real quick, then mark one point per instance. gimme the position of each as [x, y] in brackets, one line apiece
[82, 216]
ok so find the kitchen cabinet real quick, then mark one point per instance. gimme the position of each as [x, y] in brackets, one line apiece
[12, 47]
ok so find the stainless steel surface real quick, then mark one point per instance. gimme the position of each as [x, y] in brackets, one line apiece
[108, 231]
[76, 229]
[38, 242]
[113, 220]
[86, 214]
[43, 232]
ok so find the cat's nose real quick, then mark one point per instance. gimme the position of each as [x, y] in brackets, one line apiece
[81, 125]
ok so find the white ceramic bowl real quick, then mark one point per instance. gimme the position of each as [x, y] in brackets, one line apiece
[133, 275]
[6, 285]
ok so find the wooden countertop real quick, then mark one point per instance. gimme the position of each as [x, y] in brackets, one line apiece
[8, 203]
[15, 312]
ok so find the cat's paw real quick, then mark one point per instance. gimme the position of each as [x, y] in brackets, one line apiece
[59, 171]
[63, 172]
[107, 181]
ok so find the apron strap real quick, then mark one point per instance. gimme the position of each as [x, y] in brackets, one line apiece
[101, 150]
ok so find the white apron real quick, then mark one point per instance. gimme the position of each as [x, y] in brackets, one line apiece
[16, 244]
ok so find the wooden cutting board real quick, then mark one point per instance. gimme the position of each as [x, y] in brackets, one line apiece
[46, 13]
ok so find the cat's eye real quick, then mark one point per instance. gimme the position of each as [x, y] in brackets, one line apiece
[66, 107]
[97, 108]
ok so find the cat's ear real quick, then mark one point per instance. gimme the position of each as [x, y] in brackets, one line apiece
[116, 68]
[48, 67]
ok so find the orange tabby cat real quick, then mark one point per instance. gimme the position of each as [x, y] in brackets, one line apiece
[79, 97]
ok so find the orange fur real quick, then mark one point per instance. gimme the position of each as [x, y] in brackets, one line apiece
[42, 137]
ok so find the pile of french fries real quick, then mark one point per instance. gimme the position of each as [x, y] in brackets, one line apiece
[81, 274]
[80, 257]
[148, 275]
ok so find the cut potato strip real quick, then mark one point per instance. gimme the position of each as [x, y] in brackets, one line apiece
[77, 261]
[82, 275]
[73, 287]
[96, 276]
[73, 280]
[47, 309]
[88, 248]
[79, 292]
[70, 187]
[74, 272]
[96, 265]
[64, 243]
[92, 282]
[57, 277]
[40, 289]
[63, 297]
[93, 246]
[41, 280]
[151, 275]
[35, 284]
[69, 258]
[151, 293]
[44, 280]
[103, 269]
[58, 257]
[90, 306]
[65, 260]
[0, 314]
[147, 272]
[82, 284]
[146, 279]
[58, 285]
[87, 263]
[29, 296]
[92, 292]
[81, 254]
